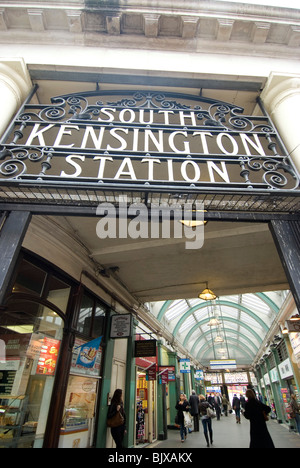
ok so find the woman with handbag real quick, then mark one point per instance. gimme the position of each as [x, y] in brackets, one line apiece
[257, 413]
[204, 411]
[116, 418]
[182, 406]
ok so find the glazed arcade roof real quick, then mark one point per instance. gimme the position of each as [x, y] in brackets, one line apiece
[244, 320]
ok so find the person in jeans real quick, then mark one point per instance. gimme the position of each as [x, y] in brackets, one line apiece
[181, 406]
[205, 419]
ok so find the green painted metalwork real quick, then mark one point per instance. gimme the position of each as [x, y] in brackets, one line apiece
[219, 302]
[202, 353]
[225, 319]
[227, 331]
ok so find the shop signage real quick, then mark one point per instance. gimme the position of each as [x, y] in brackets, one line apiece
[151, 372]
[293, 326]
[167, 373]
[48, 356]
[274, 375]
[223, 364]
[285, 369]
[88, 353]
[199, 375]
[144, 348]
[185, 366]
[120, 326]
[145, 140]
[79, 363]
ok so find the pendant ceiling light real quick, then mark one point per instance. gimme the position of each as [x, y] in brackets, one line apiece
[214, 322]
[207, 294]
[219, 339]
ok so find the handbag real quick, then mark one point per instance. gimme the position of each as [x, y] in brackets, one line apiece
[266, 417]
[188, 422]
[210, 413]
[116, 421]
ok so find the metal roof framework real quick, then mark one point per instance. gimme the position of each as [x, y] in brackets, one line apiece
[244, 321]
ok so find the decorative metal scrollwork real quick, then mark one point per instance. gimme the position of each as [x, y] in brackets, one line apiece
[209, 112]
[15, 167]
[274, 172]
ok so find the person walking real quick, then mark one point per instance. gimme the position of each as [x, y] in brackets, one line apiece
[236, 405]
[296, 411]
[257, 413]
[225, 404]
[115, 407]
[181, 406]
[205, 419]
[194, 405]
[217, 405]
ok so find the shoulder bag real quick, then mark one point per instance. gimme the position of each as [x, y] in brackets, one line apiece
[116, 421]
[210, 413]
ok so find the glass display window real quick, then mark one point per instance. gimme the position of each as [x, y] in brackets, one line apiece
[91, 317]
[31, 332]
[32, 335]
[77, 429]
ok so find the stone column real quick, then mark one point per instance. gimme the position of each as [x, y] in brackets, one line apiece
[15, 85]
[281, 97]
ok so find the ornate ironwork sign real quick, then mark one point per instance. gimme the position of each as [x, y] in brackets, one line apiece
[143, 141]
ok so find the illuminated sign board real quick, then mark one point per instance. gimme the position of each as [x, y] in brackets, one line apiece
[223, 364]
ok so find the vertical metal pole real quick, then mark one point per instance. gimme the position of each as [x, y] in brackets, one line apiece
[11, 237]
[12, 124]
[286, 235]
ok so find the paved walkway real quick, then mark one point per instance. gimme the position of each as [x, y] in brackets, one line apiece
[228, 434]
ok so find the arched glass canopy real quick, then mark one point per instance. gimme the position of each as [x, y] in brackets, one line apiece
[230, 327]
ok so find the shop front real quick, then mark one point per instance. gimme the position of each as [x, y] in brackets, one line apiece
[146, 390]
[146, 409]
[33, 329]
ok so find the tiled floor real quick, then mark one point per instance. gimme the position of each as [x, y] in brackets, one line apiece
[228, 434]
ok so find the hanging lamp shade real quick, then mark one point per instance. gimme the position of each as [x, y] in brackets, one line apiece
[214, 322]
[219, 339]
[207, 295]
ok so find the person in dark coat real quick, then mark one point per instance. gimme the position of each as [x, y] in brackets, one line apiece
[194, 404]
[181, 406]
[236, 405]
[115, 406]
[257, 413]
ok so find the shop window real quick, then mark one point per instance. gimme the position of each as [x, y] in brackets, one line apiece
[58, 293]
[30, 279]
[272, 362]
[85, 315]
[78, 424]
[32, 335]
[282, 352]
[98, 327]
[91, 317]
